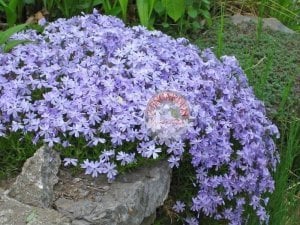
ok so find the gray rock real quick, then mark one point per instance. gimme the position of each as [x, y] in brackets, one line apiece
[149, 220]
[271, 23]
[34, 186]
[13, 212]
[131, 200]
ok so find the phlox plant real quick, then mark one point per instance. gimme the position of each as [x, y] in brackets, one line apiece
[89, 78]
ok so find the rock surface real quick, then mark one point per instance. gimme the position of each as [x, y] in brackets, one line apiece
[13, 212]
[271, 23]
[130, 200]
[34, 186]
[149, 220]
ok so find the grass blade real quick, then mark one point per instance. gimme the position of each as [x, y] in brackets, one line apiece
[124, 6]
[11, 44]
[143, 11]
[5, 35]
[220, 34]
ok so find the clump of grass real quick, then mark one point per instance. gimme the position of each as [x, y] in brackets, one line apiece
[283, 200]
[220, 33]
[15, 149]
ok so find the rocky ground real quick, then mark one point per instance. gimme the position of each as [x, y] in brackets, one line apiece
[45, 194]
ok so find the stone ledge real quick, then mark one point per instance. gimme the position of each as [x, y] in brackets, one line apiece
[81, 200]
[270, 23]
[128, 200]
[13, 212]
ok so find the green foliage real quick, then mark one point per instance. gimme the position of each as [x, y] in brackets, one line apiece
[259, 27]
[145, 9]
[220, 34]
[15, 149]
[283, 200]
[7, 44]
[148, 11]
[69, 8]
[124, 6]
[187, 14]
[49, 5]
[175, 9]
[183, 14]
[111, 7]
[13, 9]
[13, 43]
[5, 35]
[287, 11]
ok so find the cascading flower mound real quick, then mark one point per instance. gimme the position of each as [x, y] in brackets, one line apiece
[92, 77]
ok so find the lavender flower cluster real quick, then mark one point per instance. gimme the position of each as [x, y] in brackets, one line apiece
[90, 75]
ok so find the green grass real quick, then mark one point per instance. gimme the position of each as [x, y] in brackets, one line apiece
[270, 63]
[220, 33]
[283, 201]
[15, 149]
[287, 11]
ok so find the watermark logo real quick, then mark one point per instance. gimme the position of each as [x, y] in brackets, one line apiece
[167, 115]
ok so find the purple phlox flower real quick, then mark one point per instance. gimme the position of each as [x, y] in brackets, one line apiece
[85, 164]
[70, 161]
[106, 155]
[52, 140]
[273, 130]
[174, 161]
[255, 202]
[96, 140]
[148, 149]
[42, 21]
[176, 148]
[262, 214]
[125, 158]
[117, 138]
[110, 170]
[95, 11]
[2, 130]
[152, 151]
[93, 167]
[207, 202]
[76, 129]
[191, 221]
[16, 126]
[66, 144]
[179, 206]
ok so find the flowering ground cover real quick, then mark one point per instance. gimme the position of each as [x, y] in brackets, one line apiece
[82, 86]
[272, 67]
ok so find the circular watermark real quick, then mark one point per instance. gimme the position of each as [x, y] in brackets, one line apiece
[167, 115]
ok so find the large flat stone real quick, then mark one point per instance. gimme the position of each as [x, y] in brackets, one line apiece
[130, 200]
[13, 212]
[34, 186]
[270, 23]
